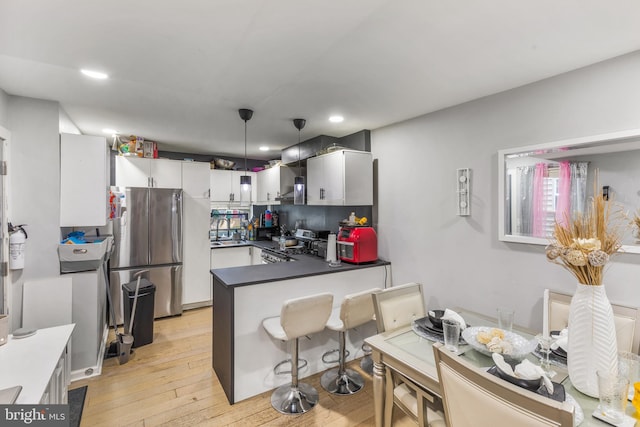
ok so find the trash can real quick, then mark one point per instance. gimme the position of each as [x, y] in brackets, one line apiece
[143, 320]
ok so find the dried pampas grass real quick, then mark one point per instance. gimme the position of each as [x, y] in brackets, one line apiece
[585, 244]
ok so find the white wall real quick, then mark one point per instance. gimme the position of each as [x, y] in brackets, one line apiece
[34, 179]
[459, 260]
[4, 107]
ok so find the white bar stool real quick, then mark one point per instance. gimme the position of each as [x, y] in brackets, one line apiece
[355, 310]
[298, 317]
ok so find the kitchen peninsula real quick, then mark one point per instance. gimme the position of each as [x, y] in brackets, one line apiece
[243, 353]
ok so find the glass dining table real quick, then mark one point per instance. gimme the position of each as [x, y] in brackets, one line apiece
[404, 351]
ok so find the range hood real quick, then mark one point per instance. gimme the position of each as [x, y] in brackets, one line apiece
[287, 181]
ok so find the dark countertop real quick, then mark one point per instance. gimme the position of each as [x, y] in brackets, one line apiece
[303, 266]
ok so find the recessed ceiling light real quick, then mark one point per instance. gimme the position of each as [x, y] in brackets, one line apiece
[110, 131]
[94, 74]
[264, 148]
[336, 119]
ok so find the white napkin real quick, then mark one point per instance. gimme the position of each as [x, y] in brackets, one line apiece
[562, 341]
[498, 359]
[525, 370]
[452, 315]
[530, 371]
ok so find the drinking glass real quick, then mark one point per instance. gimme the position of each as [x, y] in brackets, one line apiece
[545, 342]
[612, 392]
[451, 330]
[505, 318]
[629, 367]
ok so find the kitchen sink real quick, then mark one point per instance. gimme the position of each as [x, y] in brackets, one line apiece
[228, 242]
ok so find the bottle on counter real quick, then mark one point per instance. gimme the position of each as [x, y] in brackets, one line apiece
[352, 218]
[283, 242]
[268, 219]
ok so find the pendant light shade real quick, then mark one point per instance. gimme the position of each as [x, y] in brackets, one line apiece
[245, 180]
[298, 181]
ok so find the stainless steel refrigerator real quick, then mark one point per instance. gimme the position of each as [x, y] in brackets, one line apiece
[147, 233]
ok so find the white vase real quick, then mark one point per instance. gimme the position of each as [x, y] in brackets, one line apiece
[592, 338]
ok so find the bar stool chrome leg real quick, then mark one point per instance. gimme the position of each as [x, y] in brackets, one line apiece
[342, 380]
[294, 398]
[366, 363]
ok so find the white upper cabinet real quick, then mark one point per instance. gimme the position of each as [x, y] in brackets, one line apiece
[195, 179]
[343, 178]
[142, 172]
[225, 186]
[84, 180]
[269, 184]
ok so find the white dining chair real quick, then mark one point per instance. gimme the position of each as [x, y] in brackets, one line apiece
[627, 319]
[395, 308]
[473, 397]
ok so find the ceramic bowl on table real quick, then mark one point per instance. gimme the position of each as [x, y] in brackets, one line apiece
[521, 346]
[532, 385]
[435, 316]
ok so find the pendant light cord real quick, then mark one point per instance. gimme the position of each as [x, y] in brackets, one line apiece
[245, 146]
[299, 167]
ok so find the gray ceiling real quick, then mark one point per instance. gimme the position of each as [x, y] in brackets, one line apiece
[179, 71]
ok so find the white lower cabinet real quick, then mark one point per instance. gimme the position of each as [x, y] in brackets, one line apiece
[256, 255]
[41, 364]
[231, 257]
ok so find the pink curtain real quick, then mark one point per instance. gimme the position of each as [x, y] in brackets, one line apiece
[563, 207]
[538, 199]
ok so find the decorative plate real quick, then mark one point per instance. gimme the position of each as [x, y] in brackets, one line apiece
[521, 345]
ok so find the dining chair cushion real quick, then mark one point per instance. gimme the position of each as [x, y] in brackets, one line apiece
[401, 311]
[408, 398]
[300, 317]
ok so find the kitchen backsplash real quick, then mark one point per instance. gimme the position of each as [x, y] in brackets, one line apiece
[315, 217]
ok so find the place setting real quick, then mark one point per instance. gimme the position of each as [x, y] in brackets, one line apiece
[432, 327]
[552, 349]
[509, 350]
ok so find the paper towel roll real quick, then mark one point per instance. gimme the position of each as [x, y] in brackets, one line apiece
[331, 247]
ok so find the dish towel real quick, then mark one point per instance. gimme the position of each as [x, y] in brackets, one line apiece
[452, 315]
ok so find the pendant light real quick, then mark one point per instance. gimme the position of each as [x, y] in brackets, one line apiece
[245, 180]
[298, 181]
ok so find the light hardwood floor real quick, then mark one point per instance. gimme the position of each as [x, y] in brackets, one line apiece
[170, 382]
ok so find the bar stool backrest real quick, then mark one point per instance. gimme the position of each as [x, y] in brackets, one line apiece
[357, 309]
[305, 315]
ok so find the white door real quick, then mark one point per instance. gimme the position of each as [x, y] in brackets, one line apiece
[220, 184]
[5, 291]
[315, 180]
[333, 172]
[197, 282]
[195, 179]
[132, 171]
[165, 173]
[84, 180]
